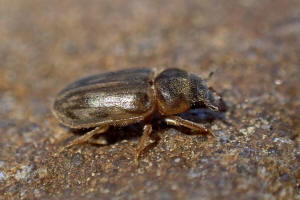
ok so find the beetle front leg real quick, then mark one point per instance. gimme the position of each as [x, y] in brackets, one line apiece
[85, 137]
[178, 121]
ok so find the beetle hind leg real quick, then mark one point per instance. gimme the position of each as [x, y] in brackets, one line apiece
[178, 121]
[85, 137]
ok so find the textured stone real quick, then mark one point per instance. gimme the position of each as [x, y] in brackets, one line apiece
[252, 47]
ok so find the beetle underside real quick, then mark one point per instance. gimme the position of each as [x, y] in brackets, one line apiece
[147, 130]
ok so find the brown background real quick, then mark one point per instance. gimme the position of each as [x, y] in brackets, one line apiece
[252, 45]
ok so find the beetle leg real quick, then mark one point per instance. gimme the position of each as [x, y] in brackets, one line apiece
[99, 141]
[85, 137]
[178, 121]
[146, 135]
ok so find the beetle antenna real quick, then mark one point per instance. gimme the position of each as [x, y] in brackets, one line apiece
[210, 75]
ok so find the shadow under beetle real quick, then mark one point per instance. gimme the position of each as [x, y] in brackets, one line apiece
[133, 95]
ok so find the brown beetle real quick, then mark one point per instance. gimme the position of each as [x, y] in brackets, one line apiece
[129, 96]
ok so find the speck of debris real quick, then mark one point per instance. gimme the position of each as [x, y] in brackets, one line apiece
[214, 127]
[3, 176]
[247, 131]
[278, 82]
[1, 163]
[37, 193]
[250, 130]
[24, 172]
[23, 194]
[43, 172]
[177, 160]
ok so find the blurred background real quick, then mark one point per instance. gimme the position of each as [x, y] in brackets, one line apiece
[253, 46]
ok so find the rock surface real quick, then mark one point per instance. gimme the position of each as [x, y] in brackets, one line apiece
[252, 46]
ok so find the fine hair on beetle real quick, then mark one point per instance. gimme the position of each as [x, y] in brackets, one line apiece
[135, 95]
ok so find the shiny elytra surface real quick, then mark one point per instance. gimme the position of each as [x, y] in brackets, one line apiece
[117, 98]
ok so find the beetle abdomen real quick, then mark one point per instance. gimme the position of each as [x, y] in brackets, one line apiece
[109, 98]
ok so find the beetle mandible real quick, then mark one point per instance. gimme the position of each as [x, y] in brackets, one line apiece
[133, 95]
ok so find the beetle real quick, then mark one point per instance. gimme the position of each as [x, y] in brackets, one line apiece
[133, 95]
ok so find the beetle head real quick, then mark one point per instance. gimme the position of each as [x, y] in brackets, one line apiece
[202, 96]
[178, 91]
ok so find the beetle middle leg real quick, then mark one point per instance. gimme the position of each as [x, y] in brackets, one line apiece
[146, 135]
[85, 137]
[178, 121]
